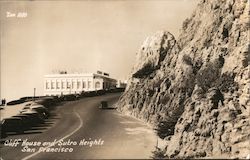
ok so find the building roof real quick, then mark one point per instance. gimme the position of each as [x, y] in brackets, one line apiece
[69, 75]
[78, 75]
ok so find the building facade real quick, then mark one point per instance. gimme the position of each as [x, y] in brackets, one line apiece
[63, 84]
[121, 84]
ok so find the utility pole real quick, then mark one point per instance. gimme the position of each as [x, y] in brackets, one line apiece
[34, 94]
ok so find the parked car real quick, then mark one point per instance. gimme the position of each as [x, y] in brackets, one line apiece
[34, 116]
[71, 97]
[13, 124]
[27, 121]
[40, 109]
[104, 105]
[2, 133]
[29, 105]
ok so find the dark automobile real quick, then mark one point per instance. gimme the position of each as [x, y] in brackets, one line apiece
[34, 116]
[104, 105]
[70, 97]
[27, 121]
[34, 107]
[42, 111]
[13, 124]
[2, 133]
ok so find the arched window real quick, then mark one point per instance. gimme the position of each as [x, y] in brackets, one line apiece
[97, 85]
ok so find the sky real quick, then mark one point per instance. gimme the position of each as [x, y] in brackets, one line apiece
[78, 36]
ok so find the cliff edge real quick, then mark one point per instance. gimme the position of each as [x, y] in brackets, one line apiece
[195, 90]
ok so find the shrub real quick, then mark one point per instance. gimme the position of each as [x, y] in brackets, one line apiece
[185, 23]
[219, 62]
[167, 83]
[165, 128]
[158, 154]
[216, 96]
[143, 72]
[197, 66]
[226, 82]
[225, 33]
[210, 76]
[150, 92]
[205, 77]
[187, 60]
[164, 100]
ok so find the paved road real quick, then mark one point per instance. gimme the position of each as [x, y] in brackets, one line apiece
[78, 124]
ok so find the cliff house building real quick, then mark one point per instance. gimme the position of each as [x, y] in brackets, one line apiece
[63, 84]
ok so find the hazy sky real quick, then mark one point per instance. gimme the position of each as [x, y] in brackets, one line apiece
[82, 36]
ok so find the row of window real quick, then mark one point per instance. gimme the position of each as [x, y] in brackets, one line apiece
[68, 85]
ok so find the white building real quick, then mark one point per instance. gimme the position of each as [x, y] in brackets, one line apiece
[62, 84]
[121, 84]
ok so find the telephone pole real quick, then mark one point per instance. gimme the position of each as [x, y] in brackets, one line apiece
[34, 94]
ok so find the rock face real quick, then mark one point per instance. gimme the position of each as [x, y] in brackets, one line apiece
[196, 90]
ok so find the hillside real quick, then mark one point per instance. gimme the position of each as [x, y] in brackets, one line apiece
[195, 90]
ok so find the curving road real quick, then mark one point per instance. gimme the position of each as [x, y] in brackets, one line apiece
[80, 130]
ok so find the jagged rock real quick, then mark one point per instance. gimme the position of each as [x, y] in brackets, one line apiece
[152, 53]
[198, 86]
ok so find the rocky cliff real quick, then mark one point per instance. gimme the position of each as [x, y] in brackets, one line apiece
[196, 90]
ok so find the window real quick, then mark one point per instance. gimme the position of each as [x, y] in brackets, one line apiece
[83, 84]
[52, 85]
[63, 85]
[57, 85]
[73, 85]
[68, 85]
[47, 85]
[78, 85]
